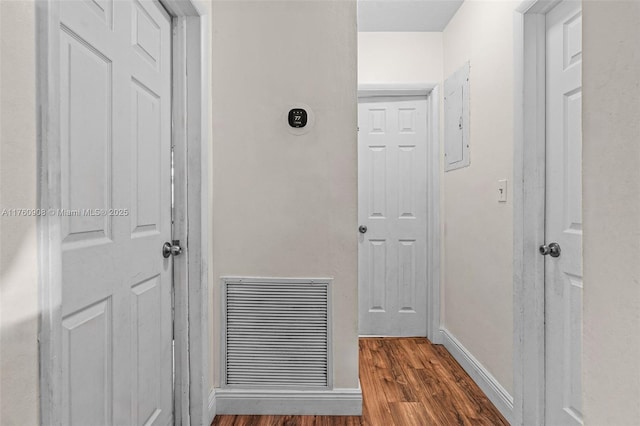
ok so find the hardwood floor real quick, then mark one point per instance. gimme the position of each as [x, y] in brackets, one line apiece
[405, 382]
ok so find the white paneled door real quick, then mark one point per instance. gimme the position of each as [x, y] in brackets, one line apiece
[115, 114]
[563, 274]
[392, 210]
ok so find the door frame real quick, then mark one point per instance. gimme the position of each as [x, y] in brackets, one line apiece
[529, 211]
[432, 93]
[190, 135]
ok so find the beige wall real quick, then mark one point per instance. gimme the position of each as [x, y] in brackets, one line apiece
[285, 205]
[399, 57]
[18, 249]
[478, 248]
[611, 205]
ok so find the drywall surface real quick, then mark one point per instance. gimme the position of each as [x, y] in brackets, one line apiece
[611, 208]
[399, 57]
[18, 245]
[286, 205]
[478, 234]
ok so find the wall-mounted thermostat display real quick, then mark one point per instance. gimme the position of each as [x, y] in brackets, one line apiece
[297, 118]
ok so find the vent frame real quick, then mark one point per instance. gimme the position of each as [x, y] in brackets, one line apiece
[311, 282]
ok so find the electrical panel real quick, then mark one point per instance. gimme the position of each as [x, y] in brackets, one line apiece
[456, 120]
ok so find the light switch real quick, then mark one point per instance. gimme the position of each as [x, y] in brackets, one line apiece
[502, 191]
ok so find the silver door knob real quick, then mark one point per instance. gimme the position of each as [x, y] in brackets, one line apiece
[553, 250]
[171, 249]
[362, 229]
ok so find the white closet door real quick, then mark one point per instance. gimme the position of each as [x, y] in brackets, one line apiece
[563, 274]
[115, 110]
[392, 200]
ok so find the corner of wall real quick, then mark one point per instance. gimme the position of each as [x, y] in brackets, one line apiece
[496, 393]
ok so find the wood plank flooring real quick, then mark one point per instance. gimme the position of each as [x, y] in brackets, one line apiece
[405, 382]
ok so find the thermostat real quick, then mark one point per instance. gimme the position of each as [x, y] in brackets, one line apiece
[297, 118]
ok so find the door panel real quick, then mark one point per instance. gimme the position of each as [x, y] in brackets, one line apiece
[86, 139]
[87, 336]
[563, 275]
[378, 185]
[146, 183]
[146, 341]
[115, 103]
[392, 181]
[375, 286]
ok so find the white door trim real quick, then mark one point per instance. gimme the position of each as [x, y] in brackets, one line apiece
[432, 92]
[529, 211]
[190, 137]
[368, 90]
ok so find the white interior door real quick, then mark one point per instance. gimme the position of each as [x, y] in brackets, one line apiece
[563, 274]
[115, 86]
[392, 205]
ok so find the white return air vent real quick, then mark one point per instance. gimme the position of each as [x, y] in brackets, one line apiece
[277, 333]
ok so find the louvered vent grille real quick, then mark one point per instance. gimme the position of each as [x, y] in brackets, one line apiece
[277, 333]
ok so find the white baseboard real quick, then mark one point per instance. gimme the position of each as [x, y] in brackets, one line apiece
[336, 402]
[487, 383]
[212, 405]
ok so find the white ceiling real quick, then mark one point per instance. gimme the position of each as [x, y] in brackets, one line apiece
[405, 15]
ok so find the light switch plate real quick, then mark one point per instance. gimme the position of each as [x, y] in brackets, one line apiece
[502, 191]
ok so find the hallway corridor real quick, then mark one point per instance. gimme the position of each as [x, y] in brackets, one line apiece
[405, 382]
